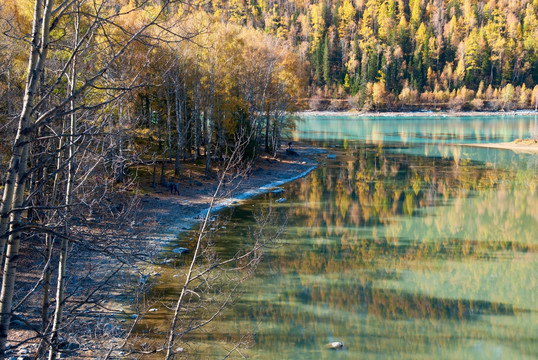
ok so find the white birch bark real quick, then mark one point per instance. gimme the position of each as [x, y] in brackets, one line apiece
[13, 196]
[64, 247]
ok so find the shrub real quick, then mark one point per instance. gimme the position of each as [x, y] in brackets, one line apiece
[353, 102]
[477, 104]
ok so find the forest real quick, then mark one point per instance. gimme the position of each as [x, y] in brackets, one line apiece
[408, 55]
[93, 91]
[436, 54]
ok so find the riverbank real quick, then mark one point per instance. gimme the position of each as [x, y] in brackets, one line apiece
[416, 113]
[523, 146]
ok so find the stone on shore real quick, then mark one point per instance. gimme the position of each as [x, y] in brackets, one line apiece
[181, 250]
[335, 345]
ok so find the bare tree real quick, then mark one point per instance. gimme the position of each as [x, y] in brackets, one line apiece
[196, 275]
[96, 72]
[15, 185]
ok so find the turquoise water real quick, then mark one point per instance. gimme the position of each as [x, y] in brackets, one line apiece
[415, 130]
[407, 245]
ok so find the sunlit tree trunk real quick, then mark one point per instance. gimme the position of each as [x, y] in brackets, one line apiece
[49, 240]
[14, 188]
[62, 265]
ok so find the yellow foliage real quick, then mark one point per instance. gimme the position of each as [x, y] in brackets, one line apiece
[317, 23]
[346, 14]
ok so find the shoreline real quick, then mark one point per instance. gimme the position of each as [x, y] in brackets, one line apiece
[416, 113]
[175, 214]
[172, 215]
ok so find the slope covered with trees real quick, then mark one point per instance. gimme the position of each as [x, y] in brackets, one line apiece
[398, 53]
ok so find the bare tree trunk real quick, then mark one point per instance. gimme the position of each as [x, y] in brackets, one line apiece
[8, 92]
[267, 133]
[60, 286]
[221, 141]
[276, 136]
[12, 254]
[15, 184]
[46, 302]
[197, 121]
[209, 126]
[121, 170]
[178, 129]
[169, 124]
[189, 276]
[264, 95]
[162, 151]
[185, 125]
[153, 179]
[208, 143]
[35, 65]
[60, 289]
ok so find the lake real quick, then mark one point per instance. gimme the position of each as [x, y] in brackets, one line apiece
[407, 245]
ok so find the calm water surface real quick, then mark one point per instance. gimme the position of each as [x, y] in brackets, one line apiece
[407, 245]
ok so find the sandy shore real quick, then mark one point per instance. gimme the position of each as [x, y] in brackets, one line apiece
[522, 146]
[417, 113]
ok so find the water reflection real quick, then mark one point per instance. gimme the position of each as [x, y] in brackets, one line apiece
[404, 253]
[396, 254]
[410, 130]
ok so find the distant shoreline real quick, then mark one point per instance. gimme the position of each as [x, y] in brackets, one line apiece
[523, 146]
[416, 113]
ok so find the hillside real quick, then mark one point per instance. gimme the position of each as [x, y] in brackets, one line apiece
[393, 53]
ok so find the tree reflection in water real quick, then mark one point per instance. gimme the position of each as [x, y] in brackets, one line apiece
[397, 255]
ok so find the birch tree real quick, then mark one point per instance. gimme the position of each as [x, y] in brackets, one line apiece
[15, 185]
